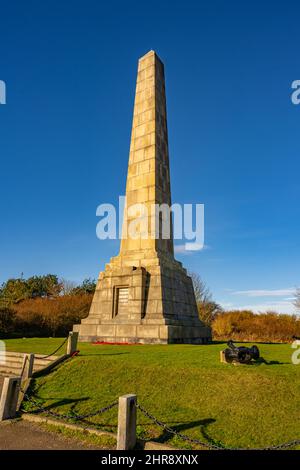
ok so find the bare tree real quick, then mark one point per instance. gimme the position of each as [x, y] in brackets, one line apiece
[67, 286]
[202, 292]
[207, 307]
[297, 299]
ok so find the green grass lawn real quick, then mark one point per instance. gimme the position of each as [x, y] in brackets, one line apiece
[183, 385]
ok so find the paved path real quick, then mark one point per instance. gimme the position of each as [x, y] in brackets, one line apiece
[21, 435]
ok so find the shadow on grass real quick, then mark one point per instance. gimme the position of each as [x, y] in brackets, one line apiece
[181, 428]
[250, 341]
[261, 361]
[56, 404]
[38, 402]
[257, 362]
[101, 354]
[103, 426]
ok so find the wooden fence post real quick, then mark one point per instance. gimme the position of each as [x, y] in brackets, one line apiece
[127, 422]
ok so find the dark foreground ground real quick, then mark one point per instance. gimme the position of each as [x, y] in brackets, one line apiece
[20, 435]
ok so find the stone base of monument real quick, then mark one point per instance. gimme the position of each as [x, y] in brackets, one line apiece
[138, 305]
[144, 334]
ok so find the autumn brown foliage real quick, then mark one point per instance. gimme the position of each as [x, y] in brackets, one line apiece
[247, 326]
[44, 316]
[56, 316]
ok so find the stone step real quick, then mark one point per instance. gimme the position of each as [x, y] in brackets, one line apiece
[12, 360]
[37, 357]
[14, 355]
[7, 374]
[10, 364]
[10, 370]
[20, 356]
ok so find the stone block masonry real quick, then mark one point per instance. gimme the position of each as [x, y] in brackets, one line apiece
[144, 295]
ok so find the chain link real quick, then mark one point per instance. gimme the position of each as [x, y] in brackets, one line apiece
[74, 416]
[176, 433]
[56, 350]
[184, 437]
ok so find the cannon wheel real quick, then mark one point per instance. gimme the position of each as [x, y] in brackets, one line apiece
[229, 356]
[244, 357]
[255, 352]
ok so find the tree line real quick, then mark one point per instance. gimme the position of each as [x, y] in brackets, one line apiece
[43, 305]
[245, 325]
[16, 290]
[49, 306]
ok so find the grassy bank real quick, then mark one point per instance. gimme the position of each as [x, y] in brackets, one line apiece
[183, 385]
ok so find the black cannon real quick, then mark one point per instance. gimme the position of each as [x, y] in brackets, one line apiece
[240, 354]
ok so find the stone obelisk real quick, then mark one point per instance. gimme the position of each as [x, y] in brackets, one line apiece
[144, 295]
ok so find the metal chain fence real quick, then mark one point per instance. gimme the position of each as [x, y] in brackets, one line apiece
[74, 416]
[71, 416]
[56, 350]
[184, 437]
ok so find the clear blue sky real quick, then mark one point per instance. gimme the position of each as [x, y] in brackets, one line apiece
[234, 135]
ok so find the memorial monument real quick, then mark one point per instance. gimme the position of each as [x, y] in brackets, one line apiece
[144, 295]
